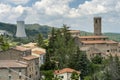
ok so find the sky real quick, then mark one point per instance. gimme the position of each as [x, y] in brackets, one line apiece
[77, 14]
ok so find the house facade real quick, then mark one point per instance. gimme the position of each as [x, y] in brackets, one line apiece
[65, 74]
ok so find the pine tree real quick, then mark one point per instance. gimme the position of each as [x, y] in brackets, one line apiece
[40, 40]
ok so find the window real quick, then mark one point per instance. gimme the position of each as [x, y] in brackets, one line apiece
[108, 50]
[20, 73]
[36, 73]
[20, 77]
[61, 77]
[95, 21]
[9, 76]
[19, 70]
[9, 71]
[29, 76]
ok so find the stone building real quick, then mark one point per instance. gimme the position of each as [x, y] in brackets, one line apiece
[13, 70]
[37, 51]
[97, 26]
[74, 33]
[24, 60]
[33, 67]
[97, 43]
[15, 53]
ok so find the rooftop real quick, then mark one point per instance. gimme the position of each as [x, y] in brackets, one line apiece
[12, 64]
[99, 42]
[65, 70]
[30, 45]
[39, 49]
[93, 37]
[30, 57]
[38, 52]
[74, 31]
[20, 48]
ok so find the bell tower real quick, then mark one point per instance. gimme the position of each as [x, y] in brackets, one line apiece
[97, 26]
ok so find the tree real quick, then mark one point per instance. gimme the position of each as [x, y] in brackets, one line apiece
[61, 46]
[97, 59]
[3, 43]
[83, 65]
[75, 76]
[112, 70]
[80, 62]
[40, 40]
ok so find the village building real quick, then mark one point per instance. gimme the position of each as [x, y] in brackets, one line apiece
[97, 43]
[13, 70]
[24, 60]
[74, 33]
[66, 73]
[36, 51]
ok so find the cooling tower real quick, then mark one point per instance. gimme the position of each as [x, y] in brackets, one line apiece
[20, 29]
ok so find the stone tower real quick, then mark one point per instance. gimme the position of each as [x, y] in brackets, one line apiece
[97, 26]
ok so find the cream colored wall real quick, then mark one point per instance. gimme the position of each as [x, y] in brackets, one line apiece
[66, 76]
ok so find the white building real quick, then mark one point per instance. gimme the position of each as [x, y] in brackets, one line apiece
[65, 74]
[4, 32]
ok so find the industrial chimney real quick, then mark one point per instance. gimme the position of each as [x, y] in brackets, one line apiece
[20, 29]
[97, 26]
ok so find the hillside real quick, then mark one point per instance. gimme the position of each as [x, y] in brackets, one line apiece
[31, 29]
[34, 29]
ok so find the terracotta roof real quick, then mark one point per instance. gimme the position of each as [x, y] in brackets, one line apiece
[93, 42]
[30, 45]
[74, 31]
[30, 57]
[99, 42]
[65, 70]
[111, 42]
[39, 49]
[93, 37]
[20, 48]
[38, 52]
[12, 64]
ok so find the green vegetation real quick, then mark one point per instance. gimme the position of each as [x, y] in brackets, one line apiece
[33, 30]
[62, 52]
[4, 45]
[75, 76]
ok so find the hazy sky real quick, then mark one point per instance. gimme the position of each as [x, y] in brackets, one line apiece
[78, 14]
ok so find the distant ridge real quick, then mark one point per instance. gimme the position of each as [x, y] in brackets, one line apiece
[31, 29]
[34, 29]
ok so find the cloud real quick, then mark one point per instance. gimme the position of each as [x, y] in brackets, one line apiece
[58, 12]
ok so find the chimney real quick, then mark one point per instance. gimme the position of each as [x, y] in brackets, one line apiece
[97, 26]
[20, 29]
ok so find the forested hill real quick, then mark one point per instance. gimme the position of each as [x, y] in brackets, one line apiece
[34, 29]
[31, 29]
